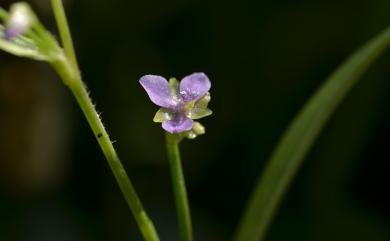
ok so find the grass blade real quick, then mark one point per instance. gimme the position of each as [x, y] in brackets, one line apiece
[300, 136]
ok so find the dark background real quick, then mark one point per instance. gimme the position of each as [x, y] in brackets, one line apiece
[264, 58]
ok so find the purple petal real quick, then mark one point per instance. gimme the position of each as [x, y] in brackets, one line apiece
[178, 124]
[158, 90]
[194, 86]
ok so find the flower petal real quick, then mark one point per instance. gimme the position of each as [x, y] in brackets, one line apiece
[178, 124]
[158, 90]
[194, 86]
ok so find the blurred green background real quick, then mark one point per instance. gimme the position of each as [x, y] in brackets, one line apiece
[264, 58]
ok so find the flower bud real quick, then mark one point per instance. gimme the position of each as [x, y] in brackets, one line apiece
[20, 20]
[198, 128]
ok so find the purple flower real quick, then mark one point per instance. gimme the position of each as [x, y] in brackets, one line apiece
[181, 103]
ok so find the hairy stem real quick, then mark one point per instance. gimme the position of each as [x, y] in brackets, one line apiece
[73, 81]
[66, 66]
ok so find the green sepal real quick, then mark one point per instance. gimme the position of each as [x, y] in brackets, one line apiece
[204, 101]
[189, 106]
[197, 113]
[197, 110]
[21, 46]
[189, 134]
[162, 115]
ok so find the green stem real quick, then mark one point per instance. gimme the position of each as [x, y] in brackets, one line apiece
[67, 67]
[63, 27]
[179, 188]
[73, 81]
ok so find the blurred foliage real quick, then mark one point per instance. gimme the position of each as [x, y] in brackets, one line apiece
[265, 58]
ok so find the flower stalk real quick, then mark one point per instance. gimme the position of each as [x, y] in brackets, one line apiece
[181, 104]
[179, 188]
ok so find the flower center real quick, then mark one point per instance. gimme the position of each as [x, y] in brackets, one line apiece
[189, 94]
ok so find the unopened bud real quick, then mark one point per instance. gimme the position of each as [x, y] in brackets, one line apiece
[198, 128]
[20, 20]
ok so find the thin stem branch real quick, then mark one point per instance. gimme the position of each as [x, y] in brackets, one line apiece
[63, 27]
[179, 188]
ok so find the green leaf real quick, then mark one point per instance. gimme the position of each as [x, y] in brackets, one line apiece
[300, 136]
[21, 46]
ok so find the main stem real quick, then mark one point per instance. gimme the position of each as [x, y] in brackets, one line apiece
[67, 67]
[179, 188]
[73, 80]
